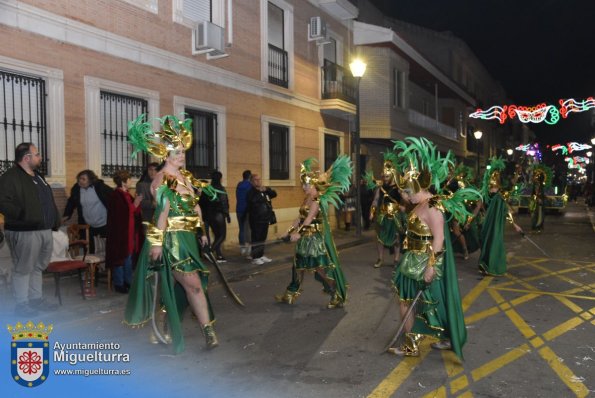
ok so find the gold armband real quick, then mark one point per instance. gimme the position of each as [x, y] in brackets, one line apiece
[291, 230]
[373, 211]
[154, 234]
[433, 256]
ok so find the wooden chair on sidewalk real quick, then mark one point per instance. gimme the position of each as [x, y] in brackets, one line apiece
[64, 264]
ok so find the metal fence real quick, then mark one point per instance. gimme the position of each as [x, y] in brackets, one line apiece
[278, 66]
[337, 83]
[22, 117]
[201, 158]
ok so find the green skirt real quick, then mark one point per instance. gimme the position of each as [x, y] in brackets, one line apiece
[181, 254]
[389, 230]
[492, 260]
[311, 253]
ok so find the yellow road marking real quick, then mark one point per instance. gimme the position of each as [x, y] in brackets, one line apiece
[459, 384]
[499, 362]
[562, 328]
[520, 323]
[541, 292]
[480, 315]
[564, 373]
[393, 381]
[475, 292]
[438, 393]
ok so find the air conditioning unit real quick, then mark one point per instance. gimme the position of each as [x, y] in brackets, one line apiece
[208, 38]
[316, 29]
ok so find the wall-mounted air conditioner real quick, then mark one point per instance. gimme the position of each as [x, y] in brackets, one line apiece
[208, 38]
[316, 29]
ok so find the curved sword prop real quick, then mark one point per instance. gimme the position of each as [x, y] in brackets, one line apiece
[534, 244]
[206, 250]
[153, 314]
[404, 321]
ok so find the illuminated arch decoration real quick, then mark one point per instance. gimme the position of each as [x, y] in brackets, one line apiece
[561, 147]
[575, 146]
[539, 113]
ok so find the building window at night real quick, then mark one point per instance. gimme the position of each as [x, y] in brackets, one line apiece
[116, 110]
[201, 158]
[22, 116]
[398, 81]
[278, 152]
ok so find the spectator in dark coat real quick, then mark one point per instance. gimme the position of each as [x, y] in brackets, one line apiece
[259, 209]
[242, 190]
[90, 197]
[143, 187]
[215, 214]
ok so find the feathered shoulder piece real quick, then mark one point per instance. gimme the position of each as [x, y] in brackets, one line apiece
[338, 182]
[174, 132]
[203, 186]
[456, 204]
[371, 183]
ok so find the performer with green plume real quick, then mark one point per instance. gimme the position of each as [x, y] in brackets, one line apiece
[428, 262]
[387, 210]
[542, 179]
[171, 250]
[492, 260]
[315, 249]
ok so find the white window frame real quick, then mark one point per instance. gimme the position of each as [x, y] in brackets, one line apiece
[93, 87]
[181, 103]
[217, 13]
[147, 5]
[396, 97]
[265, 172]
[54, 79]
[287, 34]
[321, 132]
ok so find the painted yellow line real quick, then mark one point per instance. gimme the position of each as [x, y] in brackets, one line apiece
[564, 373]
[503, 360]
[466, 394]
[496, 296]
[520, 323]
[452, 364]
[562, 328]
[541, 292]
[475, 292]
[480, 315]
[438, 393]
[568, 260]
[393, 381]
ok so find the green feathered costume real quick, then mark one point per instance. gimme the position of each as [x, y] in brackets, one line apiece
[315, 250]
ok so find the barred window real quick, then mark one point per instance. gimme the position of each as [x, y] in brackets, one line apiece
[116, 110]
[201, 158]
[22, 116]
[278, 152]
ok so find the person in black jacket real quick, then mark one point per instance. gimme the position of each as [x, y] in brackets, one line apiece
[259, 216]
[30, 214]
[90, 196]
[216, 213]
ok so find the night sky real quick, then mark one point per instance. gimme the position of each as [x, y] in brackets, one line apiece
[540, 51]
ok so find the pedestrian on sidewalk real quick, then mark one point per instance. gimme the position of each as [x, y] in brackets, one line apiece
[492, 260]
[242, 190]
[143, 188]
[171, 248]
[315, 249]
[427, 266]
[30, 214]
[124, 232]
[260, 214]
[216, 214]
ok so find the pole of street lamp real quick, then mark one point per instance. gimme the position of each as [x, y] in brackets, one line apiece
[356, 145]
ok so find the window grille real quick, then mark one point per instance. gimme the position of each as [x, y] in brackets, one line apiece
[278, 152]
[201, 158]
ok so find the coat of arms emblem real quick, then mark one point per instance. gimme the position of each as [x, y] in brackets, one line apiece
[30, 353]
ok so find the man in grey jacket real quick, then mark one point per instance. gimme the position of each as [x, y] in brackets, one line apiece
[30, 213]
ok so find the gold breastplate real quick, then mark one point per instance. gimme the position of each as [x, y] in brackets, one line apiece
[419, 236]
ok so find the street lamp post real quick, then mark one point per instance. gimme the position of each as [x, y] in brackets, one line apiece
[477, 134]
[358, 68]
[593, 166]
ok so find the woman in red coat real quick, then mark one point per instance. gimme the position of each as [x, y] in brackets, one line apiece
[124, 230]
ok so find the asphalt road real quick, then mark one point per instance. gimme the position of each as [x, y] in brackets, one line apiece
[530, 331]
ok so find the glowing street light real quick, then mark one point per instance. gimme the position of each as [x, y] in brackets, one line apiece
[358, 68]
[477, 134]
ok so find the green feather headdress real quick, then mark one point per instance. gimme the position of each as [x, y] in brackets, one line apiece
[544, 173]
[491, 177]
[421, 164]
[330, 184]
[174, 132]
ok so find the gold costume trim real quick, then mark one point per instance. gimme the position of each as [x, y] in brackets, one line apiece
[183, 223]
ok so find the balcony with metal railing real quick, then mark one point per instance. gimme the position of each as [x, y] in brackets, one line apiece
[338, 91]
[278, 66]
[432, 125]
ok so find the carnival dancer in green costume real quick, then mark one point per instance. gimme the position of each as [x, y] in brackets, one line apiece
[315, 249]
[428, 262]
[542, 179]
[171, 249]
[492, 260]
[464, 236]
[387, 210]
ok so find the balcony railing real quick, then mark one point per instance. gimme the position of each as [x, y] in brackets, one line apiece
[432, 125]
[278, 66]
[337, 83]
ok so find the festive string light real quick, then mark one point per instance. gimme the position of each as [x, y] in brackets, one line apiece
[534, 114]
[575, 146]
